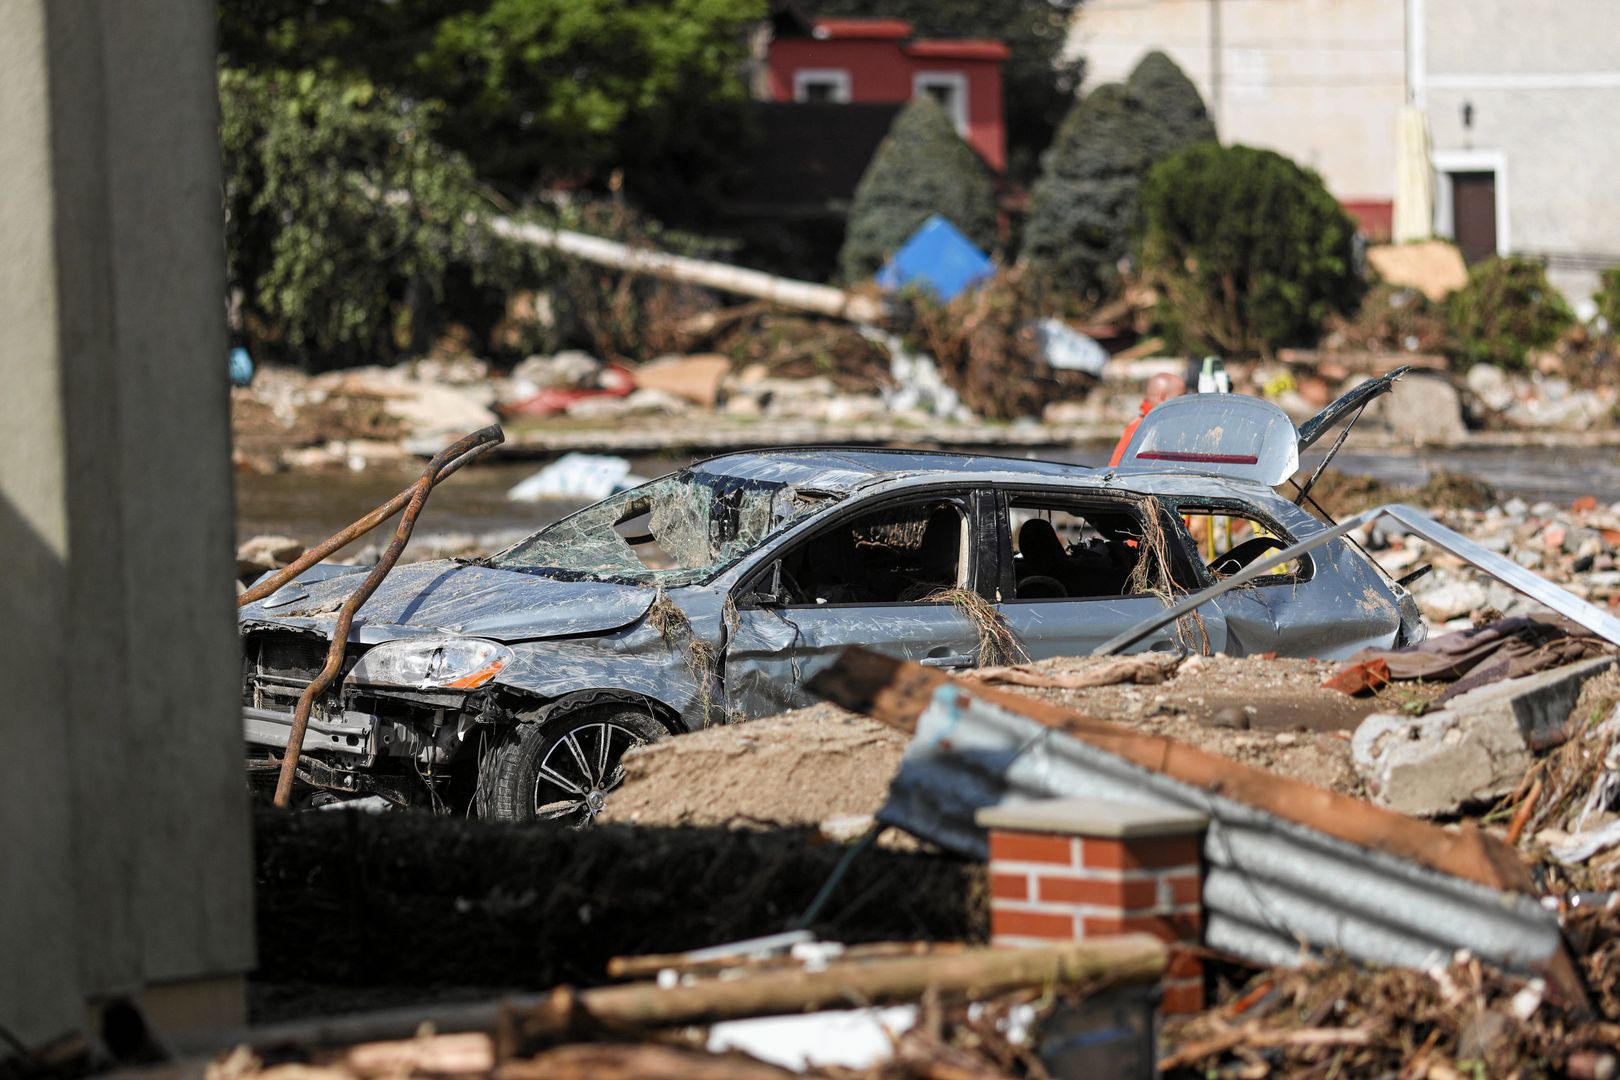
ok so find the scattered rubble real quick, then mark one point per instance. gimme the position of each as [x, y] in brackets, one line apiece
[1474, 750]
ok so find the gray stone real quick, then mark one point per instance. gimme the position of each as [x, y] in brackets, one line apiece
[1422, 409]
[1475, 749]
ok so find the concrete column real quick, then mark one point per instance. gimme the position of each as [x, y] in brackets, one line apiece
[124, 833]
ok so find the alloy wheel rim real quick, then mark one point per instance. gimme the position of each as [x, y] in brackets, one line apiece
[578, 771]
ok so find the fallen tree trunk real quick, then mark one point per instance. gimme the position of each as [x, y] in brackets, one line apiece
[977, 973]
[803, 295]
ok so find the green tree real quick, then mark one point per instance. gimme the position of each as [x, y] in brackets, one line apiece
[1249, 250]
[1085, 208]
[921, 168]
[1038, 79]
[1608, 299]
[1176, 115]
[532, 89]
[339, 206]
[1507, 309]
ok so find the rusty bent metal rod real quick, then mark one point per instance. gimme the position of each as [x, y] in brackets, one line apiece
[444, 464]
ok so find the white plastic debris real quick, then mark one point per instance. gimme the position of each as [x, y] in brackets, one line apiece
[577, 476]
[852, 1039]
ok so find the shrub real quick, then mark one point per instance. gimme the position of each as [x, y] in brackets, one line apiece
[344, 217]
[1608, 299]
[1507, 308]
[1085, 208]
[1248, 248]
[921, 168]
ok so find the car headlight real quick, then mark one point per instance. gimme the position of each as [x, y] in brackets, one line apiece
[432, 663]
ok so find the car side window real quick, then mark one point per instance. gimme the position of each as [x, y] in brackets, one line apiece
[1063, 550]
[1227, 540]
[904, 553]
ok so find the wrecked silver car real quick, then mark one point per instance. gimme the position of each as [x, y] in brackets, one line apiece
[515, 683]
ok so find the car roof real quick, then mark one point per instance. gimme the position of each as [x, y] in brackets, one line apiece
[843, 469]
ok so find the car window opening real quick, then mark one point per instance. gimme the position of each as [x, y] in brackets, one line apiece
[1066, 553]
[1227, 541]
[674, 531]
[898, 554]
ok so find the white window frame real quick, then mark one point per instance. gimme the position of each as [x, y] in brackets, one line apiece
[1447, 162]
[956, 80]
[838, 77]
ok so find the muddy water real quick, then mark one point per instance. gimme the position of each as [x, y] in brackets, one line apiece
[310, 506]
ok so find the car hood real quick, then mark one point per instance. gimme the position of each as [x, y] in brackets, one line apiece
[446, 596]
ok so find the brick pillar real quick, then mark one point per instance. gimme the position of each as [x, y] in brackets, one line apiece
[1072, 869]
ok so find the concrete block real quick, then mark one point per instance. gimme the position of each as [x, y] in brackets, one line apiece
[1475, 749]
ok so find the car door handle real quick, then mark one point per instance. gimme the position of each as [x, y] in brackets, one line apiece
[957, 660]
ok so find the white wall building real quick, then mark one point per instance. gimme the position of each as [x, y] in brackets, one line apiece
[1522, 100]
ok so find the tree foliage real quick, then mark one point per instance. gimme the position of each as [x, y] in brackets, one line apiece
[921, 168]
[1507, 309]
[535, 89]
[1608, 299]
[339, 202]
[1175, 114]
[1085, 208]
[1249, 250]
[1038, 80]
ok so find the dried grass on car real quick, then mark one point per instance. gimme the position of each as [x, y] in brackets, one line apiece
[997, 642]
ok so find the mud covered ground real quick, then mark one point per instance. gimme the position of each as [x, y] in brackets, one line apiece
[826, 768]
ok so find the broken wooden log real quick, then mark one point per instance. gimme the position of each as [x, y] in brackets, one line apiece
[803, 295]
[640, 967]
[976, 973]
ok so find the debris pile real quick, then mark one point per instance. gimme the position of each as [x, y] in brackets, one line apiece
[1570, 546]
[1465, 1018]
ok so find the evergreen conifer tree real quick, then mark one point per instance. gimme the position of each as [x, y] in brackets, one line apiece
[1085, 207]
[921, 168]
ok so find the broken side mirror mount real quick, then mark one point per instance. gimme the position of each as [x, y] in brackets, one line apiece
[766, 592]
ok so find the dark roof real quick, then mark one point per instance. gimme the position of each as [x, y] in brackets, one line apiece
[811, 155]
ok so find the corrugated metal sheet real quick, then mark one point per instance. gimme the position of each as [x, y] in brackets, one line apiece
[1273, 889]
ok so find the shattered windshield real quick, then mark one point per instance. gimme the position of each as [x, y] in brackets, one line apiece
[677, 530]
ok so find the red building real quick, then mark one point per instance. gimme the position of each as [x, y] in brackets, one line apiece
[877, 61]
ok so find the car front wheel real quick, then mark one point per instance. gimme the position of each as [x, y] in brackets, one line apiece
[562, 770]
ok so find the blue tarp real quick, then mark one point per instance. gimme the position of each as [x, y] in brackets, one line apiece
[939, 258]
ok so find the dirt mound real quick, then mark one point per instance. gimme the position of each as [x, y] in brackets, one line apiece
[822, 765]
[800, 768]
[1269, 713]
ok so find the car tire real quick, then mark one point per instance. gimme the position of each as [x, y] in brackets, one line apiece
[560, 770]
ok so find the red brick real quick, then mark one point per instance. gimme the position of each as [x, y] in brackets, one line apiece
[1039, 924]
[1030, 847]
[1184, 888]
[1151, 853]
[1009, 886]
[1164, 927]
[1102, 892]
[1180, 998]
[1184, 964]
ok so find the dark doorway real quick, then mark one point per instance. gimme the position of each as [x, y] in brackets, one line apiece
[1473, 202]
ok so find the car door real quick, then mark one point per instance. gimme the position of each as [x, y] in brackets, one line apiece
[884, 575]
[1067, 561]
